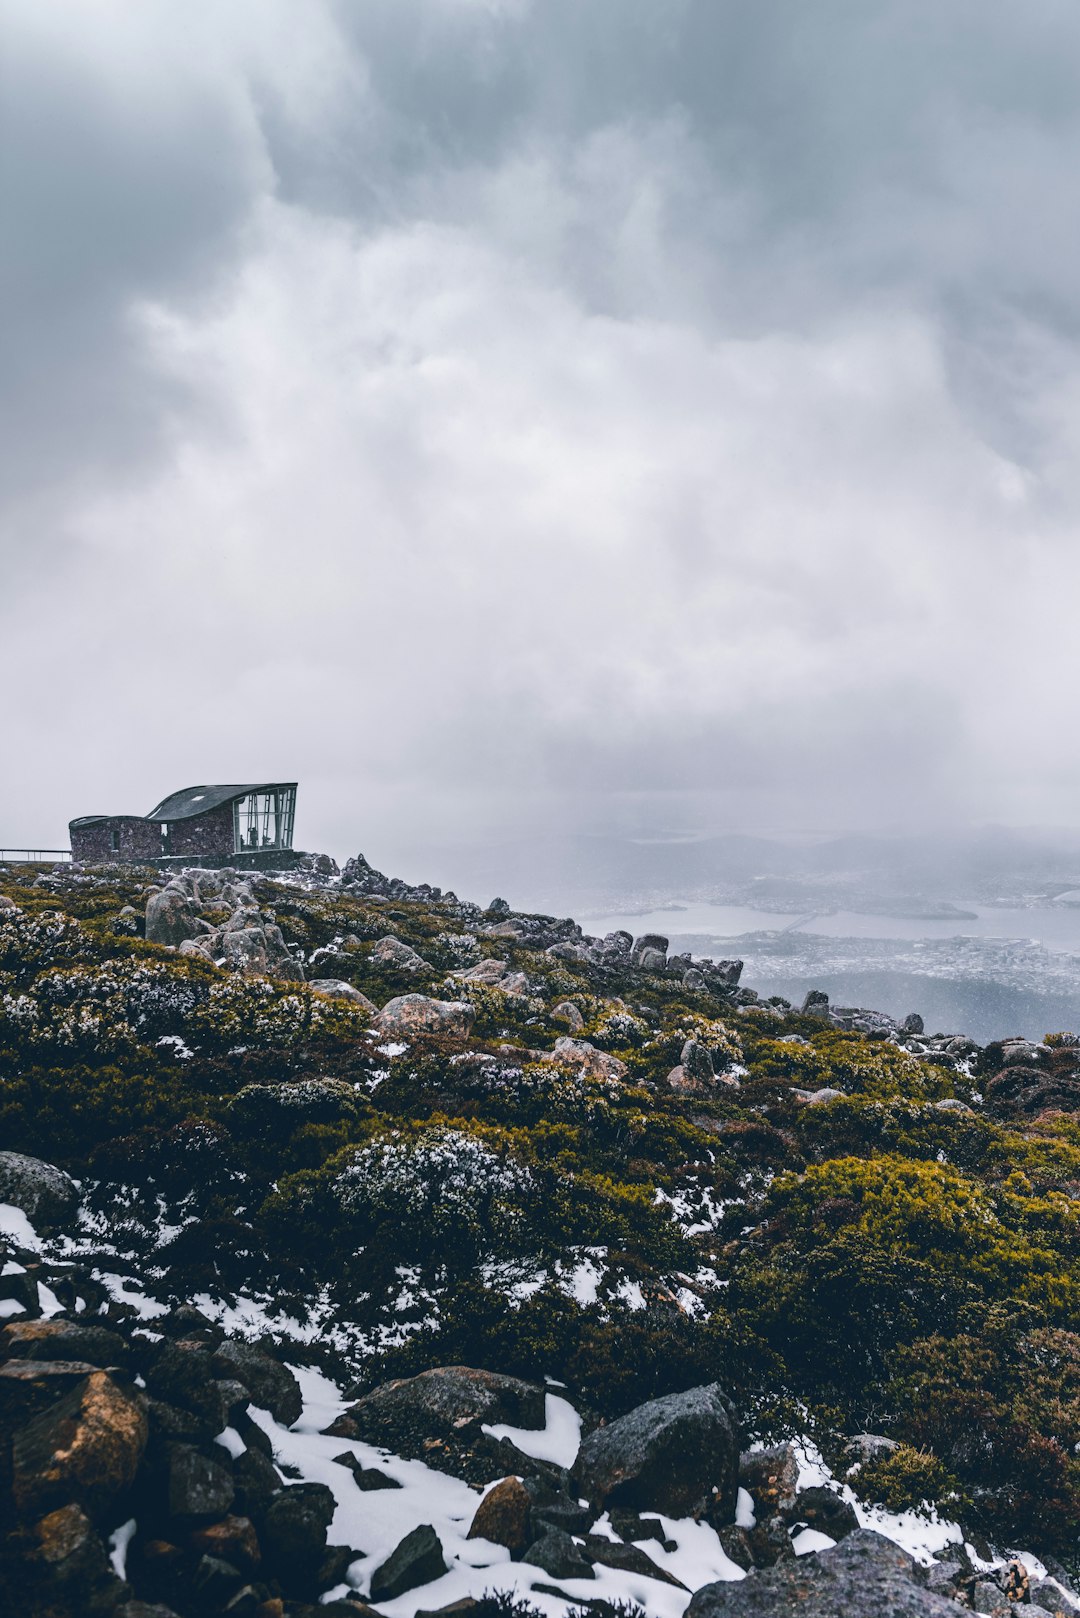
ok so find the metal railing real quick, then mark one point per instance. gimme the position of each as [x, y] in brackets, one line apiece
[33, 856]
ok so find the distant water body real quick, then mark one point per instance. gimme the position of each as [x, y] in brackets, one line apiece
[1055, 926]
[974, 998]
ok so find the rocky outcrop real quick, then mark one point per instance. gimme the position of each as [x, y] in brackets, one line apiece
[46, 1195]
[865, 1576]
[675, 1455]
[581, 1054]
[413, 1016]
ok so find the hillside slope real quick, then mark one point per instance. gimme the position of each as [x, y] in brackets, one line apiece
[380, 1132]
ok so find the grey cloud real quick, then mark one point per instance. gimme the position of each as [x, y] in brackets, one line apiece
[475, 406]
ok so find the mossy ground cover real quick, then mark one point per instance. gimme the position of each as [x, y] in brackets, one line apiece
[877, 1262]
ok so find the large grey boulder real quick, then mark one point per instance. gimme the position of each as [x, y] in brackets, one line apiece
[271, 1385]
[671, 1455]
[394, 952]
[411, 1015]
[171, 917]
[46, 1195]
[865, 1576]
[451, 1400]
[650, 952]
[338, 989]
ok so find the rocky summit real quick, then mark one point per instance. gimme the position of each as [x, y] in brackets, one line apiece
[365, 1249]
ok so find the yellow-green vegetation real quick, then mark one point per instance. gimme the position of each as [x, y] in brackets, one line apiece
[903, 1258]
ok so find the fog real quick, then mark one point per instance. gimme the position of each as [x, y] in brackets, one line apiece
[514, 420]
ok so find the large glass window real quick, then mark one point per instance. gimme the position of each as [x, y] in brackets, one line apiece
[264, 820]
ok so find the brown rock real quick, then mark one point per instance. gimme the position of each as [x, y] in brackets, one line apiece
[233, 1538]
[70, 1567]
[62, 1340]
[86, 1448]
[504, 1516]
[29, 1386]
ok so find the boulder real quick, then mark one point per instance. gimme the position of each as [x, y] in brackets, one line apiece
[696, 1060]
[487, 971]
[30, 1386]
[271, 1385]
[566, 1012]
[865, 1576]
[85, 1449]
[816, 1003]
[627, 1559]
[411, 1016]
[823, 1509]
[449, 1401]
[62, 1340]
[394, 952]
[171, 917]
[417, 1560]
[650, 952]
[183, 1374]
[582, 1054]
[771, 1477]
[338, 989]
[560, 1556]
[294, 1531]
[671, 1455]
[70, 1567]
[504, 1516]
[197, 1487]
[46, 1195]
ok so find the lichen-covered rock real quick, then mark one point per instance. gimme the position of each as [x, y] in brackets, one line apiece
[417, 1560]
[85, 1449]
[198, 1488]
[771, 1476]
[68, 1566]
[338, 989]
[504, 1516]
[394, 952]
[581, 1054]
[294, 1531]
[62, 1340]
[410, 1016]
[46, 1195]
[672, 1455]
[171, 916]
[865, 1576]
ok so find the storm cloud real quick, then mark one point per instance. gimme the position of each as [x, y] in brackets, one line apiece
[522, 415]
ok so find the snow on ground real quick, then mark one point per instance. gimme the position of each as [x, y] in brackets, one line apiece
[14, 1223]
[923, 1537]
[557, 1441]
[375, 1522]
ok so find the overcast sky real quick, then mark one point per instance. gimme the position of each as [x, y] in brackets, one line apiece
[505, 416]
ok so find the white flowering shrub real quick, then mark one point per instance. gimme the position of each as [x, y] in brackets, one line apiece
[442, 1189]
[619, 1031]
[254, 1012]
[31, 944]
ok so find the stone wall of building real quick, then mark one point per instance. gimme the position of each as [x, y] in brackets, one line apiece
[209, 835]
[116, 837]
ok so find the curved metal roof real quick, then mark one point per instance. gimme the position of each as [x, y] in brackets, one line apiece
[191, 801]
